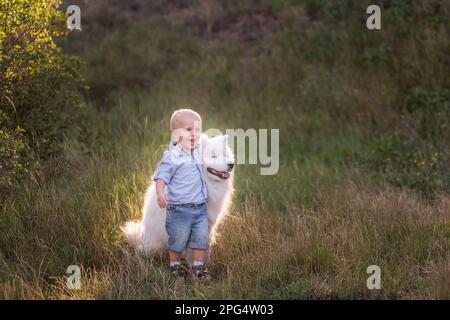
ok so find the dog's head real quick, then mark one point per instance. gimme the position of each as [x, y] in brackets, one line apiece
[217, 157]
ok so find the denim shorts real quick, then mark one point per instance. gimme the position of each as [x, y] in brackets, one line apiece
[187, 226]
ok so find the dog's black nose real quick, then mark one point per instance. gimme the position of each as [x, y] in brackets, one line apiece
[231, 165]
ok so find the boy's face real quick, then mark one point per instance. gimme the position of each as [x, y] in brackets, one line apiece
[188, 132]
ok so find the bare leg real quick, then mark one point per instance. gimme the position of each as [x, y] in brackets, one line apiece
[174, 256]
[199, 254]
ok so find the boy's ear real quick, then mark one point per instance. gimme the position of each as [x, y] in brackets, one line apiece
[175, 137]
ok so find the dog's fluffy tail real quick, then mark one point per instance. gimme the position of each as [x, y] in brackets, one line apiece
[132, 231]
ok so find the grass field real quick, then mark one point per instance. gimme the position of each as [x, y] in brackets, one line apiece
[308, 232]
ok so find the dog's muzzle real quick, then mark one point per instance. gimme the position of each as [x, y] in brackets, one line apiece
[221, 174]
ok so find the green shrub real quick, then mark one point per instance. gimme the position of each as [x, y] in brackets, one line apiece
[11, 145]
[416, 154]
[38, 85]
[430, 112]
[407, 162]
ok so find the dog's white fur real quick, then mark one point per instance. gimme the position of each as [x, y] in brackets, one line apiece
[150, 236]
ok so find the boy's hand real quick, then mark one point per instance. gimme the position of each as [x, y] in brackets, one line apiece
[162, 199]
[161, 195]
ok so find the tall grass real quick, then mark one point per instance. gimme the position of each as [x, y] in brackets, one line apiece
[308, 232]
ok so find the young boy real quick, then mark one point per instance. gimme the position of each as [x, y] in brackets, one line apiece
[181, 188]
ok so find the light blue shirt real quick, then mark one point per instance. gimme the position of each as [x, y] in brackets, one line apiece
[182, 172]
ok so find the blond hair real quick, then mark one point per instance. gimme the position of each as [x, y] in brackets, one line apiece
[180, 114]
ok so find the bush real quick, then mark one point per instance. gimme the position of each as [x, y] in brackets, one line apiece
[416, 154]
[11, 145]
[38, 86]
[430, 111]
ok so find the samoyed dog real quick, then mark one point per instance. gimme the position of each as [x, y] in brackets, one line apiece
[150, 235]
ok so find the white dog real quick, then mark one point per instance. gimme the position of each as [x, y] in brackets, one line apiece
[150, 234]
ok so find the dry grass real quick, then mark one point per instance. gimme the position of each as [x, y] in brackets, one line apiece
[315, 254]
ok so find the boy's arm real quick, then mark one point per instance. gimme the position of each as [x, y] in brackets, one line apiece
[162, 176]
[161, 193]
